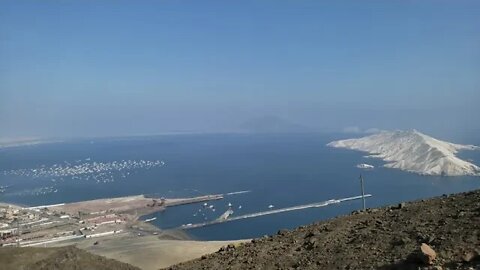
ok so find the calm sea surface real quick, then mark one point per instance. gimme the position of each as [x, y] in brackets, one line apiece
[278, 170]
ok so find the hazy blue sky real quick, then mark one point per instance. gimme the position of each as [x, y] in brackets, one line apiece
[77, 68]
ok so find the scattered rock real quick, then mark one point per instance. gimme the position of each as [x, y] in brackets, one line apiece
[427, 255]
[401, 242]
[470, 256]
[311, 243]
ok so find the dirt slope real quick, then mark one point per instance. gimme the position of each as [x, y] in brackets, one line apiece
[386, 238]
[65, 258]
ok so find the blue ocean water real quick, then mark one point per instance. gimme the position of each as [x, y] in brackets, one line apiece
[282, 170]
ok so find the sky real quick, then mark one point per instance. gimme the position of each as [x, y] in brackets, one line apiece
[108, 68]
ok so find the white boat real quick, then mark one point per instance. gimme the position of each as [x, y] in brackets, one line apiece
[271, 206]
[365, 166]
[332, 201]
[150, 219]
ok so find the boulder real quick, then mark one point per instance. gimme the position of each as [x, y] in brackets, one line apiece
[470, 256]
[231, 247]
[427, 255]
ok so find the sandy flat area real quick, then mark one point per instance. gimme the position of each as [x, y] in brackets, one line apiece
[150, 252]
[111, 204]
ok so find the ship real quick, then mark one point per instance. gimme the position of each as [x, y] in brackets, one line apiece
[365, 166]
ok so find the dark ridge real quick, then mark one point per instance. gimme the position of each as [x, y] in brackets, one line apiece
[58, 258]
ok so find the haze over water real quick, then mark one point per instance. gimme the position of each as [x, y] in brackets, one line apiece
[115, 68]
[279, 169]
[259, 86]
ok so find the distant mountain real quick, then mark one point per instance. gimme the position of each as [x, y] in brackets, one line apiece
[414, 152]
[272, 124]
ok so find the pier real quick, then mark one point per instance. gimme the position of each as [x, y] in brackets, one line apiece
[275, 211]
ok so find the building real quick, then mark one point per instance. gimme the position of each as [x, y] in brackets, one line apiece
[6, 233]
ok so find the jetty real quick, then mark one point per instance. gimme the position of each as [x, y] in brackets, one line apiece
[275, 211]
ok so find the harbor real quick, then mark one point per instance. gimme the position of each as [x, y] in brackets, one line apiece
[46, 224]
[226, 217]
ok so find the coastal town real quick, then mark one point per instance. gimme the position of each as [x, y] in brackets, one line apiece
[64, 222]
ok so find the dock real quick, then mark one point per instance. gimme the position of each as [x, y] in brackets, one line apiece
[199, 199]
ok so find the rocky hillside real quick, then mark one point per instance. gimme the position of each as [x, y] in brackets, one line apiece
[440, 233]
[62, 258]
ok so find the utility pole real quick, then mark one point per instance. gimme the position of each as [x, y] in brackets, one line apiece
[18, 233]
[363, 192]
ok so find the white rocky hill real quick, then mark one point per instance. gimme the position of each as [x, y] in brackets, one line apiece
[414, 152]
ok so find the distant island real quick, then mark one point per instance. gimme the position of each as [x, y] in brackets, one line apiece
[272, 124]
[414, 152]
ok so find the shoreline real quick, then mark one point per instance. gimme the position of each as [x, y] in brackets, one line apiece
[110, 227]
[40, 225]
